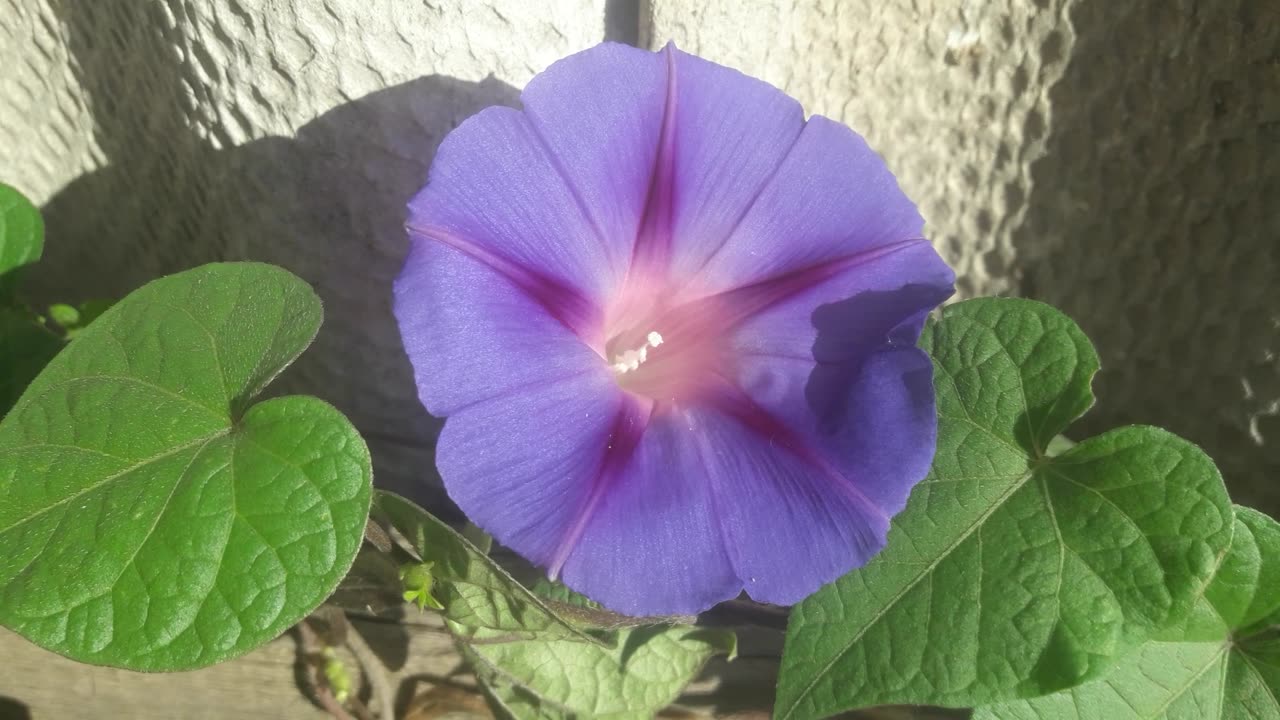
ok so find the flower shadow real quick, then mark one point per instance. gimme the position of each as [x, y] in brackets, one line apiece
[327, 204]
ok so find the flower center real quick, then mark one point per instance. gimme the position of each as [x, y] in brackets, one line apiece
[659, 346]
[666, 355]
[631, 360]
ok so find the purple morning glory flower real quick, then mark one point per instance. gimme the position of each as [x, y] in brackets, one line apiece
[672, 325]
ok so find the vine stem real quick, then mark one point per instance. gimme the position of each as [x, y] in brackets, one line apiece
[375, 672]
[310, 649]
[331, 704]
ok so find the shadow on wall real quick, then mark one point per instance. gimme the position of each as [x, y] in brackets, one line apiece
[176, 192]
[1153, 221]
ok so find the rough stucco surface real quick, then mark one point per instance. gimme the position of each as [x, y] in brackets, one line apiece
[162, 134]
[1120, 160]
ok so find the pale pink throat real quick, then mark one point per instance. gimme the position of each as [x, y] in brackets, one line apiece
[655, 350]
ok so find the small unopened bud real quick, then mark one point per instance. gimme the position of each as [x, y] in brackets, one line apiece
[417, 581]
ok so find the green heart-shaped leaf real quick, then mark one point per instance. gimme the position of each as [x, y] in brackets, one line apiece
[21, 236]
[1012, 572]
[152, 518]
[1224, 666]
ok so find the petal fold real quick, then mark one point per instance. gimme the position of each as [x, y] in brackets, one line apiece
[838, 365]
[874, 421]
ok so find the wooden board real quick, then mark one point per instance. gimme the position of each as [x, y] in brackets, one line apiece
[262, 684]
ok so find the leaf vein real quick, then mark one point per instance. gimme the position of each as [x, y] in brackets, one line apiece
[113, 477]
[911, 584]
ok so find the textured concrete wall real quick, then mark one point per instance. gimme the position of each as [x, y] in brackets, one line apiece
[1118, 159]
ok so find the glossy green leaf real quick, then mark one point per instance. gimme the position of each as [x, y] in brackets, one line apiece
[21, 236]
[1218, 670]
[474, 591]
[154, 518]
[642, 673]
[1012, 573]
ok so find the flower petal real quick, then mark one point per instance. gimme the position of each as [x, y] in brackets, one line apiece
[873, 421]
[600, 114]
[653, 544]
[832, 196]
[524, 467]
[731, 133]
[790, 524]
[472, 335]
[837, 364]
[496, 192]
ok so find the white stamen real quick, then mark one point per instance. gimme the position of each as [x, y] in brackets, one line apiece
[632, 359]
